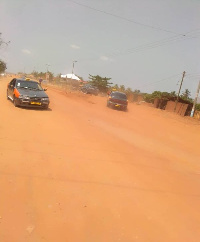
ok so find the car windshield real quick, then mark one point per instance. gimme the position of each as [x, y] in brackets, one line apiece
[29, 85]
[119, 95]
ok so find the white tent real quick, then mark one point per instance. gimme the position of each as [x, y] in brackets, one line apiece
[70, 76]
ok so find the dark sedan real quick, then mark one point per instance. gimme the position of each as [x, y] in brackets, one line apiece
[27, 93]
[90, 89]
[117, 100]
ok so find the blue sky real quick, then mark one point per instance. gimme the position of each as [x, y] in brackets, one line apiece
[142, 44]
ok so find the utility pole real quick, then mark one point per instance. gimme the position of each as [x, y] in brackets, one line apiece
[47, 67]
[179, 91]
[73, 69]
[47, 73]
[195, 101]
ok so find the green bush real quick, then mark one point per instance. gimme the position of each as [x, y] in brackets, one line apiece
[197, 107]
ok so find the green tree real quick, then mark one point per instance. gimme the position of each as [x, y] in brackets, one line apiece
[197, 107]
[102, 83]
[136, 91]
[173, 94]
[186, 94]
[151, 97]
[2, 42]
[35, 74]
[2, 63]
[51, 76]
[42, 75]
[148, 98]
[115, 87]
[122, 88]
[129, 91]
[2, 66]
[157, 94]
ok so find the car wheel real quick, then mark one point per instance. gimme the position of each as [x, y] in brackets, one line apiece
[7, 95]
[46, 107]
[109, 105]
[125, 109]
[15, 102]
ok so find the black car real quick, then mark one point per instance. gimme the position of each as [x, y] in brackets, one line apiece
[27, 93]
[117, 100]
[90, 89]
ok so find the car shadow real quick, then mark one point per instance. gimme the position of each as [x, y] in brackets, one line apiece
[36, 109]
[32, 108]
[118, 109]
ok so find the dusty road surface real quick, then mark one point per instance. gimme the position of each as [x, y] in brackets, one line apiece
[81, 172]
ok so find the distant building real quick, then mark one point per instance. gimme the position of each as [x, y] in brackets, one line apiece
[71, 77]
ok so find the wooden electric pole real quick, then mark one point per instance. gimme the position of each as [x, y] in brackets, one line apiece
[195, 101]
[179, 92]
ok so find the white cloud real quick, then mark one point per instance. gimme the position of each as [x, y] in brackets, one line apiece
[105, 58]
[75, 46]
[25, 51]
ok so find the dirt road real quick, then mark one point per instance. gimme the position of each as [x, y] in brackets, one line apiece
[81, 172]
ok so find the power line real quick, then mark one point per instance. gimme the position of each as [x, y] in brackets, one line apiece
[162, 80]
[124, 18]
[150, 45]
[195, 30]
[193, 75]
[178, 36]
